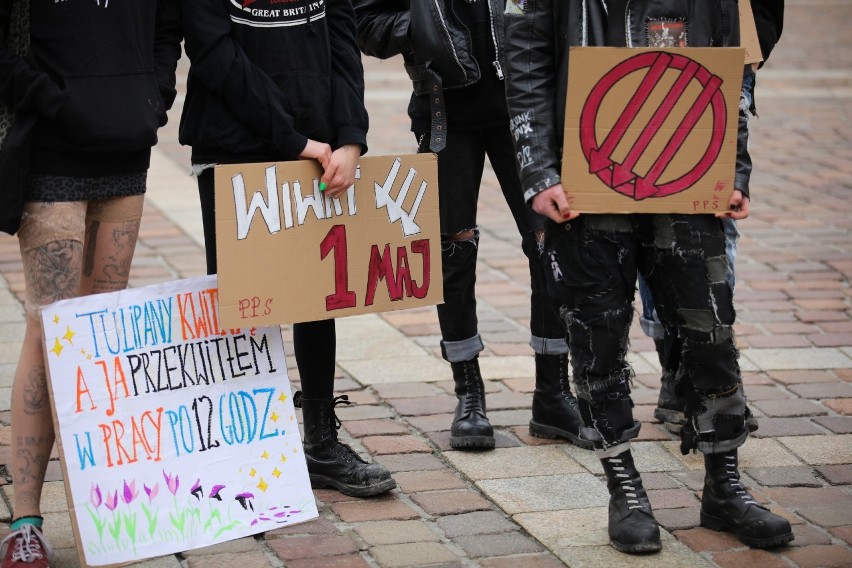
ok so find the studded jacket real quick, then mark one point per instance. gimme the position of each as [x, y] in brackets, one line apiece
[539, 34]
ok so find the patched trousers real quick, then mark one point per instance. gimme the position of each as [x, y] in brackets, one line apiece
[592, 265]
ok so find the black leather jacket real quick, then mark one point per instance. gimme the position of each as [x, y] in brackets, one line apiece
[537, 44]
[435, 45]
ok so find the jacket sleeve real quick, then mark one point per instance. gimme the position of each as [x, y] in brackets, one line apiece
[531, 94]
[769, 20]
[347, 76]
[167, 48]
[222, 66]
[383, 27]
[22, 86]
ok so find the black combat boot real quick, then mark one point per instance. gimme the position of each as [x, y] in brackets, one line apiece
[470, 429]
[632, 526]
[554, 408]
[727, 505]
[332, 463]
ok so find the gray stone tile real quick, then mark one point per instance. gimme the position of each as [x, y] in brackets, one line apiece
[369, 337]
[514, 462]
[506, 544]
[784, 476]
[504, 418]
[396, 532]
[674, 555]
[798, 358]
[821, 450]
[756, 452]
[412, 554]
[648, 456]
[245, 544]
[546, 493]
[477, 522]
[170, 561]
[566, 528]
[424, 368]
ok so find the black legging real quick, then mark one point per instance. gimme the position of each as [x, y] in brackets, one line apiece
[314, 343]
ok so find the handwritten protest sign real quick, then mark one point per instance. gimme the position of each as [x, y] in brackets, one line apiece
[175, 433]
[289, 253]
[652, 130]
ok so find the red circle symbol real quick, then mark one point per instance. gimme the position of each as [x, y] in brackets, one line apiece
[622, 176]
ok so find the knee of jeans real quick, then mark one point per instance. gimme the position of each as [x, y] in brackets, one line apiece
[466, 238]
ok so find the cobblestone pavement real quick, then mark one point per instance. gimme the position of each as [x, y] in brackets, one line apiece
[536, 504]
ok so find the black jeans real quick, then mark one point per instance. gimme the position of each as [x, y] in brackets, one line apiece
[314, 343]
[594, 261]
[460, 166]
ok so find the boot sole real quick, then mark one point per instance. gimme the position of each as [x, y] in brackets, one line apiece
[323, 482]
[640, 548]
[552, 433]
[472, 442]
[716, 524]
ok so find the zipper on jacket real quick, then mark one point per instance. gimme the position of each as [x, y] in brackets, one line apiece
[443, 20]
[496, 63]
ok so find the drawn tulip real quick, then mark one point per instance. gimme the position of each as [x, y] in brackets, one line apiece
[172, 482]
[129, 493]
[244, 499]
[111, 501]
[151, 492]
[95, 497]
[214, 493]
[196, 490]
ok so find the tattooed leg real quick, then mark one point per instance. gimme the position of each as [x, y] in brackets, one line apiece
[112, 228]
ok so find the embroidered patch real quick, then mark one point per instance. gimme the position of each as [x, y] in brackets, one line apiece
[516, 7]
[666, 33]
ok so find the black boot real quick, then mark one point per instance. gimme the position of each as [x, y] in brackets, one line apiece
[727, 505]
[332, 463]
[554, 408]
[632, 526]
[470, 429]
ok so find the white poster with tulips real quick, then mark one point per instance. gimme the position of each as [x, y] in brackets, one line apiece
[174, 433]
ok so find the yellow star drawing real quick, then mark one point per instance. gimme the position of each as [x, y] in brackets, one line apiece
[252, 472]
[262, 485]
[283, 458]
[274, 417]
[283, 397]
[56, 318]
[69, 335]
[57, 347]
[276, 472]
[265, 455]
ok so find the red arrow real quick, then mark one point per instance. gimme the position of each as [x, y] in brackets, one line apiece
[600, 159]
[646, 187]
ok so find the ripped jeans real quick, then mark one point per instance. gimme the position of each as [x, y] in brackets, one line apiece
[594, 263]
[460, 166]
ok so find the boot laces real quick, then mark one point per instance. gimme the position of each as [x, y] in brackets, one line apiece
[27, 543]
[471, 402]
[735, 483]
[626, 484]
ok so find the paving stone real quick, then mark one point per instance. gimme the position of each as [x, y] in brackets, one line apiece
[700, 539]
[353, 560]
[674, 555]
[513, 462]
[435, 404]
[432, 422]
[824, 556]
[395, 532]
[525, 561]
[648, 456]
[53, 498]
[837, 424]
[412, 554]
[450, 502]
[843, 533]
[840, 405]
[776, 427]
[410, 462]
[805, 358]
[565, 528]
[836, 474]
[522, 433]
[827, 516]
[798, 377]
[169, 561]
[749, 558]
[361, 428]
[416, 481]
[801, 497]
[417, 369]
[793, 407]
[405, 444]
[807, 535]
[497, 544]
[756, 452]
[504, 418]
[240, 545]
[677, 519]
[474, 523]
[836, 389]
[253, 559]
[320, 525]
[671, 498]
[501, 440]
[784, 476]
[351, 413]
[311, 546]
[406, 390]
[820, 450]
[546, 493]
[379, 509]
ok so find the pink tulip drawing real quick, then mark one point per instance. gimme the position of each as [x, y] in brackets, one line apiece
[214, 493]
[111, 501]
[151, 492]
[172, 483]
[95, 497]
[196, 490]
[129, 493]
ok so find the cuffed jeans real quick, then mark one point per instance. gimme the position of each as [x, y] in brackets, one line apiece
[683, 260]
[460, 166]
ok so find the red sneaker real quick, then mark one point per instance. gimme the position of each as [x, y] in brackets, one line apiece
[25, 548]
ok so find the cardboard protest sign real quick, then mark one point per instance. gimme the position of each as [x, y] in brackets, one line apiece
[651, 130]
[174, 432]
[748, 34]
[289, 253]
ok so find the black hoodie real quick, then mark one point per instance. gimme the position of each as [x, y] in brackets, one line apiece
[266, 75]
[99, 76]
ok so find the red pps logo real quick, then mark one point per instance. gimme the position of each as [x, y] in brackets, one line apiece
[623, 176]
